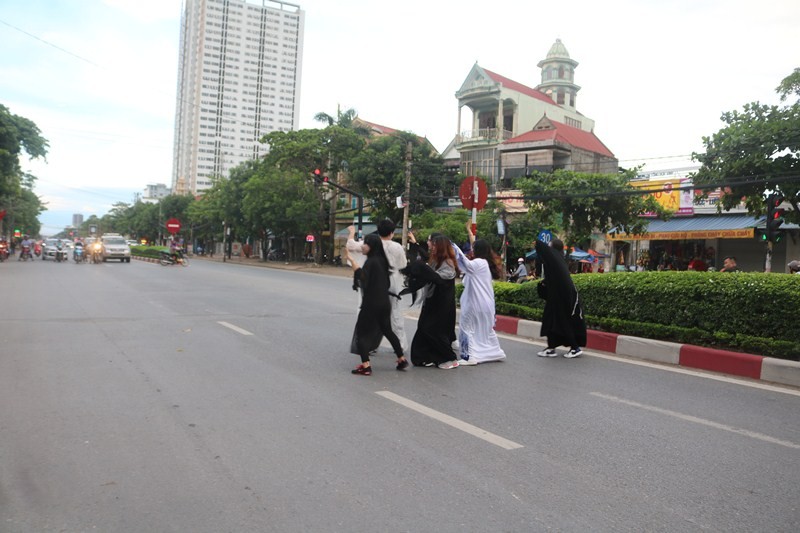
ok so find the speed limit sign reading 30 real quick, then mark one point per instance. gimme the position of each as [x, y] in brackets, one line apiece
[545, 236]
[173, 225]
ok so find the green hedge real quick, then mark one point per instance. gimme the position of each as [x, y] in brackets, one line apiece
[746, 311]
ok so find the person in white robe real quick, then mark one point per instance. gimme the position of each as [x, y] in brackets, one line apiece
[397, 261]
[477, 338]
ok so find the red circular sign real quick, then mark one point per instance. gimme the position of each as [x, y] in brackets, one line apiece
[467, 193]
[173, 225]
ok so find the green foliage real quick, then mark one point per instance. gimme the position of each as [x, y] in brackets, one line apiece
[23, 208]
[282, 202]
[574, 205]
[17, 135]
[789, 86]
[379, 173]
[758, 148]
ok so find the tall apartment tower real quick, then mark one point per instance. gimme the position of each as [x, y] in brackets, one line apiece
[238, 78]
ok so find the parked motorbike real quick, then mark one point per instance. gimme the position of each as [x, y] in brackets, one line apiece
[3, 251]
[173, 258]
[25, 254]
[78, 254]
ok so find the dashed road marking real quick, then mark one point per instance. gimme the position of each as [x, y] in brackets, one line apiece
[451, 421]
[701, 421]
[237, 329]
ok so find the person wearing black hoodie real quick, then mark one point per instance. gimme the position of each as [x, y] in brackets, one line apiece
[562, 321]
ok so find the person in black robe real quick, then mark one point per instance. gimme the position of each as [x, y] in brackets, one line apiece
[374, 318]
[434, 283]
[562, 322]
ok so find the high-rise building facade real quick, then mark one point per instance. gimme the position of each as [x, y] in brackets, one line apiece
[238, 78]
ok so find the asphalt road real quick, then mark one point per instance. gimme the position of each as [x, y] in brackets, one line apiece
[218, 397]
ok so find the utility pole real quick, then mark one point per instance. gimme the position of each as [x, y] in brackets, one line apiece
[407, 195]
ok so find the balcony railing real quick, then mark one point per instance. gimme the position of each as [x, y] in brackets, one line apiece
[484, 135]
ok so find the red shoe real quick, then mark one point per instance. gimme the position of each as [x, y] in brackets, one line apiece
[362, 370]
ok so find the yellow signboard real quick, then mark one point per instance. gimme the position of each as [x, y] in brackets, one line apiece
[744, 233]
[668, 194]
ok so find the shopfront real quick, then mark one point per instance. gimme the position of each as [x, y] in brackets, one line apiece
[701, 240]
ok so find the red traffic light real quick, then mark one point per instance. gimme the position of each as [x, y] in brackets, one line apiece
[317, 172]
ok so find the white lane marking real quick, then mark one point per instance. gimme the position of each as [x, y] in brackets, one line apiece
[701, 421]
[237, 329]
[450, 421]
[669, 368]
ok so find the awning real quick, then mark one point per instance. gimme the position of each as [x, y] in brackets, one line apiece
[710, 227]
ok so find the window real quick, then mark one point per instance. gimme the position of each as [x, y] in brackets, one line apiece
[560, 100]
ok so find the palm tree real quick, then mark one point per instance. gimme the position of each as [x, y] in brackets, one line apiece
[343, 120]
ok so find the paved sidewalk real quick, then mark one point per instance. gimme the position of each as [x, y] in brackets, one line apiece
[746, 365]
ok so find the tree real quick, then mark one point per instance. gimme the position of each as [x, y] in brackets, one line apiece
[343, 120]
[379, 171]
[283, 203]
[756, 153]
[17, 134]
[576, 204]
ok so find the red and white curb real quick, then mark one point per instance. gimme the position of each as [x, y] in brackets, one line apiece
[687, 355]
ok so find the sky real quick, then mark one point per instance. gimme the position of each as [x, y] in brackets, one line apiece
[99, 77]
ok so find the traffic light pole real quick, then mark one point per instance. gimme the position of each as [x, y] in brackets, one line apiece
[360, 204]
[773, 222]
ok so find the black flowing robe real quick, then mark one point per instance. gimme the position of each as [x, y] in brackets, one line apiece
[432, 342]
[562, 322]
[376, 307]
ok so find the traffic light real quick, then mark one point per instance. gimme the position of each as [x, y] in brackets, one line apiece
[318, 177]
[774, 218]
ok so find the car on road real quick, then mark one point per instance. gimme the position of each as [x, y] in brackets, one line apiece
[115, 247]
[49, 248]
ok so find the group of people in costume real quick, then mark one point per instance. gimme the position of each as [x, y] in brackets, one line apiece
[383, 275]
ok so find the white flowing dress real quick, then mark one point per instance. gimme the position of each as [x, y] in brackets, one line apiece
[476, 335]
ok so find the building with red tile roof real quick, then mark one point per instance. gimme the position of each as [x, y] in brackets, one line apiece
[516, 128]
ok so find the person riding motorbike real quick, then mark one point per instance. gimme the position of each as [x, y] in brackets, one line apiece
[61, 251]
[78, 253]
[26, 245]
[96, 252]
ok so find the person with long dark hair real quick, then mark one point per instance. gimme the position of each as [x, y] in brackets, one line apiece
[476, 335]
[374, 318]
[434, 283]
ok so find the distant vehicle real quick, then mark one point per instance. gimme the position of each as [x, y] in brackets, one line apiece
[49, 248]
[131, 242]
[115, 247]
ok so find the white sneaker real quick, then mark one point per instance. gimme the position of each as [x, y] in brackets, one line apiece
[548, 352]
[467, 362]
[448, 365]
[573, 353]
